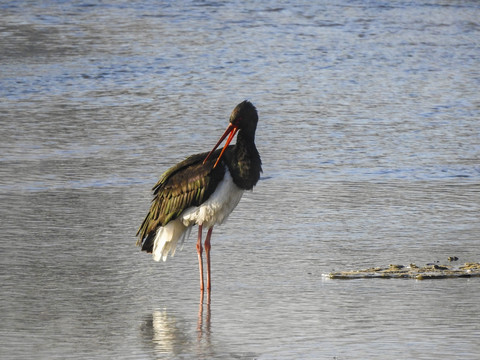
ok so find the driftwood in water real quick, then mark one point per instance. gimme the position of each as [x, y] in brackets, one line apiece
[412, 271]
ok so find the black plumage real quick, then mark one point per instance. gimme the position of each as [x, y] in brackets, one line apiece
[192, 181]
[189, 183]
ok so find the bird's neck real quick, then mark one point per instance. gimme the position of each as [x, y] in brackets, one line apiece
[245, 165]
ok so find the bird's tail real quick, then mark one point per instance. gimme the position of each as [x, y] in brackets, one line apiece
[168, 237]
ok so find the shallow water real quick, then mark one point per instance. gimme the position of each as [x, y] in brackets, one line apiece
[370, 144]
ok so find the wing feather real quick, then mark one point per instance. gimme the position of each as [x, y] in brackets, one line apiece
[189, 183]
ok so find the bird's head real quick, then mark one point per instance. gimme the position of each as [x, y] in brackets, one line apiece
[243, 118]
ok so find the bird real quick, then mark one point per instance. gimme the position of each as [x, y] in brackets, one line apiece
[203, 190]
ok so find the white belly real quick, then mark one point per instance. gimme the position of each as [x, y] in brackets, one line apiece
[219, 205]
[212, 212]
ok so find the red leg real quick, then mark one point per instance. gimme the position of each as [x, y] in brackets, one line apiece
[199, 252]
[207, 252]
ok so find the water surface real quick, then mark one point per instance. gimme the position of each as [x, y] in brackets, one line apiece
[370, 144]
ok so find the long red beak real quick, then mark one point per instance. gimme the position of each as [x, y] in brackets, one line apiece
[231, 131]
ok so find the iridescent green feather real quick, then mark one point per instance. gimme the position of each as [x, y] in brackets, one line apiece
[189, 183]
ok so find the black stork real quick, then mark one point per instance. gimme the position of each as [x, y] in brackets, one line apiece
[203, 189]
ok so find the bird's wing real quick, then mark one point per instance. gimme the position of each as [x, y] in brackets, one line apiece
[189, 183]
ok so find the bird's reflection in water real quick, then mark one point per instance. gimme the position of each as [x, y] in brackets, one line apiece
[204, 330]
[169, 335]
[165, 333]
